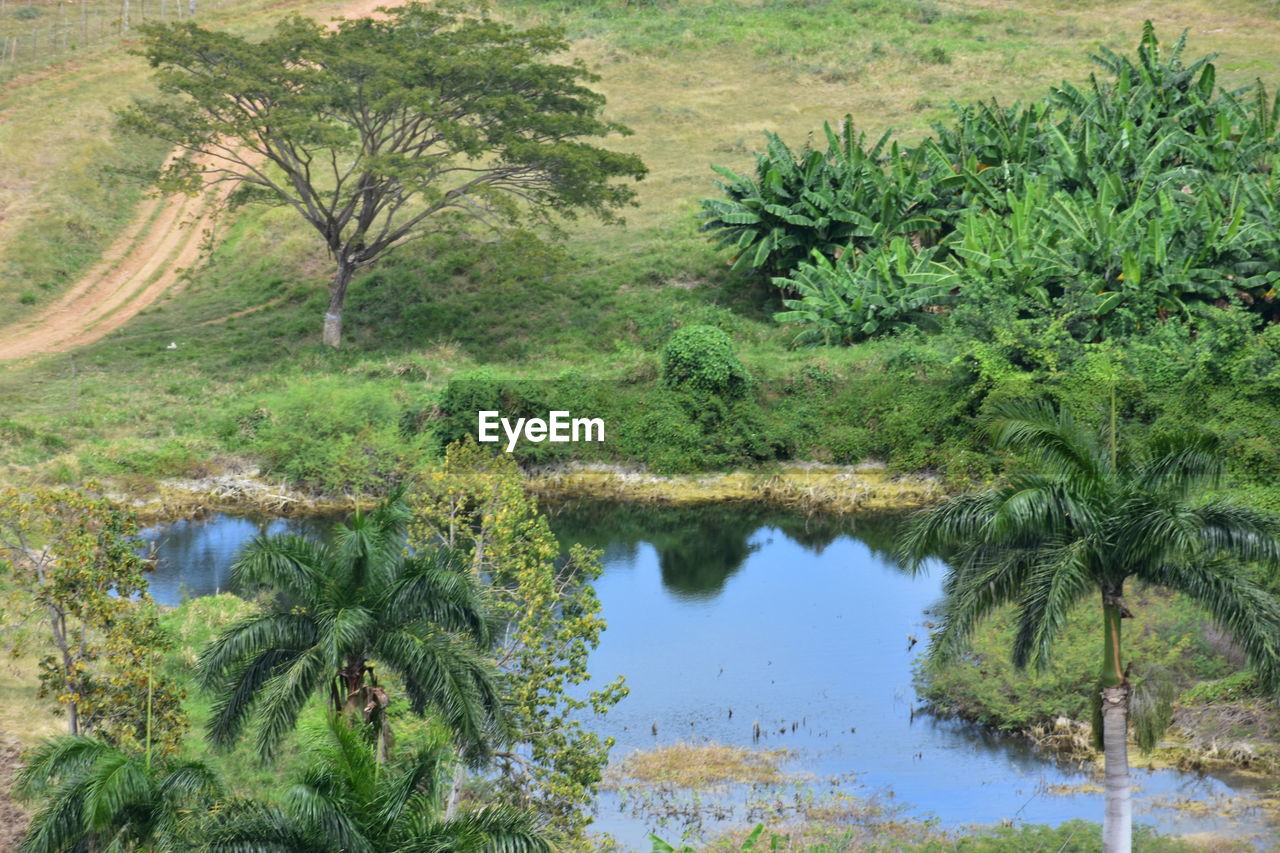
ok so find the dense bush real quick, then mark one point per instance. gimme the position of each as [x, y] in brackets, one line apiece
[701, 360]
[886, 289]
[1166, 635]
[1115, 206]
[329, 435]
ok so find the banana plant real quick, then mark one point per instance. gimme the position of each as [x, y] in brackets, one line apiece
[871, 294]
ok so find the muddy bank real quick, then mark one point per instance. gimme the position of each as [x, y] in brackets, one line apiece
[241, 492]
[800, 486]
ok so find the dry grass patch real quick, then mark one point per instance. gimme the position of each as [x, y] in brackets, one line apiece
[704, 765]
[799, 486]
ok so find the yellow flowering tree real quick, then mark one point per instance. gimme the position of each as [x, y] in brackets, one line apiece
[74, 591]
[476, 503]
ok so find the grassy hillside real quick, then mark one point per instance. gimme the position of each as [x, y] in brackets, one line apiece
[697, 82]
[64, 191]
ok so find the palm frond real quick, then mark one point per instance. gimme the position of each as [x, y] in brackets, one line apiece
[1036, 508]
[492, 829]
[248, 827]
[1240, 532]
[249, 638]
[444, 673]
[422, 782]
[325, 818]
[191, 782]
[116, 784]
[936, 531]
[60, 825]
[1060, 447]
[345, 630]
[241, 691]
[1148, 531]
[1058, 578]
[57, 760]
[981, 580]
[1180, 464]
[286, 694]
[1249, 612]
[295, 565]
[437, 587]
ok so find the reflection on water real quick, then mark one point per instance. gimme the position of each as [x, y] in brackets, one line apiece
[699, 548]
[194, 556]
[726, 617]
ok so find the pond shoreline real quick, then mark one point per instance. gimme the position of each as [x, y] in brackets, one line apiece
[808, 487]
[804, 487]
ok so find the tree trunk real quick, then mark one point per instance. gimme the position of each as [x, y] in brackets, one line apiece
[455, 792]
[1117, 822]
[58, 625]
[337, 298]
[353, 682]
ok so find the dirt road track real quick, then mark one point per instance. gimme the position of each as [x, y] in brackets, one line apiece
[165, 238]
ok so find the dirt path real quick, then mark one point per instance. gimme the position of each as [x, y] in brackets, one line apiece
[165, 239]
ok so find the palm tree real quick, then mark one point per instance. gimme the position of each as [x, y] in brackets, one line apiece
[1082, 520]
[102, 798]
[340, 610]
[347, 801]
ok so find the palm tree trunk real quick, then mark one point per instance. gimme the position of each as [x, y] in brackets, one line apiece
[352, 676]
[1117, 822]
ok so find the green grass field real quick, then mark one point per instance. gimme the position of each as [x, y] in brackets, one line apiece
[697, 82]
[248, 383]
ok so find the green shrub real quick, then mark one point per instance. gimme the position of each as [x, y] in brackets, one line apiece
[1115, 206]
[1233, 688]
[700, 359]
[328, 434]
[1166, 635]
[887, 289]
[167, 459]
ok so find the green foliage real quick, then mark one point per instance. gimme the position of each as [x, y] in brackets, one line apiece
[887, 289]
[75, 581]
[348, 799]
[812, 201]
[1151, 709]
[476, 504]
[1081, 518]
[340, 611]
[1115, 206]
[701, 360]
[1232, 688]
[328, 434]
[379, 130]
[1166, 636]
[100, 797]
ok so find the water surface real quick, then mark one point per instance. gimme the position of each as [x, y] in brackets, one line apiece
[801, 626]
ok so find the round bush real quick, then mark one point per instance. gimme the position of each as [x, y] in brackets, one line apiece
[701, 359]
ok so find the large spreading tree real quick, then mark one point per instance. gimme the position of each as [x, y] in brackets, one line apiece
[1085, 518]
[377, 130]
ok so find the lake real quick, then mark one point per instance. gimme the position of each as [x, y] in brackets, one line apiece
[798, 624]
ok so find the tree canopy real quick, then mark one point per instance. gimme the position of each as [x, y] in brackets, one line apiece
[1083, 517]
[338, 613]
[377, 130]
